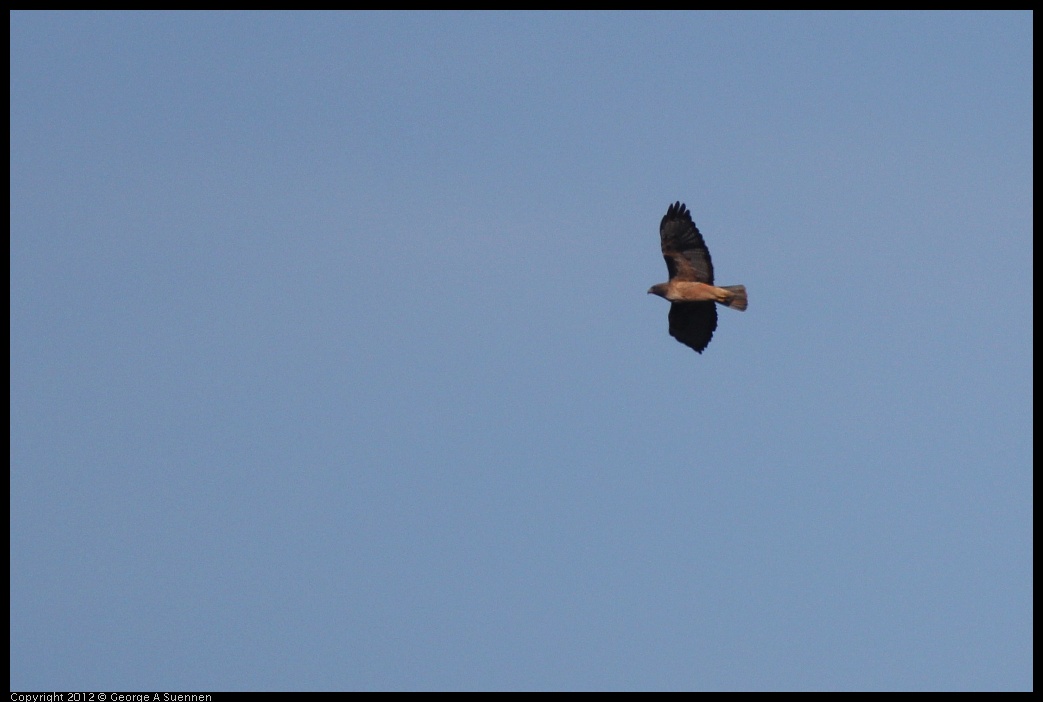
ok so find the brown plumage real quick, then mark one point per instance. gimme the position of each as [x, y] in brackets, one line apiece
[690, 290]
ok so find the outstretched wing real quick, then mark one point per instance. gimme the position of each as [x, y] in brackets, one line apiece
[693, 323]
[687, 257]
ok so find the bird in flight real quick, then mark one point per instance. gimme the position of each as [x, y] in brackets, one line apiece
[693, 296]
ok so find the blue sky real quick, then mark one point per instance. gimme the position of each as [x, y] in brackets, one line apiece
[332, 366]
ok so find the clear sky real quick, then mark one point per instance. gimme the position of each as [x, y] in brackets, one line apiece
[333, 368]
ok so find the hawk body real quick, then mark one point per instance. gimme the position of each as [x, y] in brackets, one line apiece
[690, 290]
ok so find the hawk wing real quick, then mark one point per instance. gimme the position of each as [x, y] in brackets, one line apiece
[687, 257]
[693, 323]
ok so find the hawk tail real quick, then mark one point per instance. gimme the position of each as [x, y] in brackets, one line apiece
[737, 299]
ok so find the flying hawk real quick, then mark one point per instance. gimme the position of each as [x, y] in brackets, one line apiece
[693, 296]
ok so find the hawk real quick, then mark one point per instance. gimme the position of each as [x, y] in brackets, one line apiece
[693, 296]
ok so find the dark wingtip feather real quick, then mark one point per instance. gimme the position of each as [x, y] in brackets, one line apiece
[676, 211]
